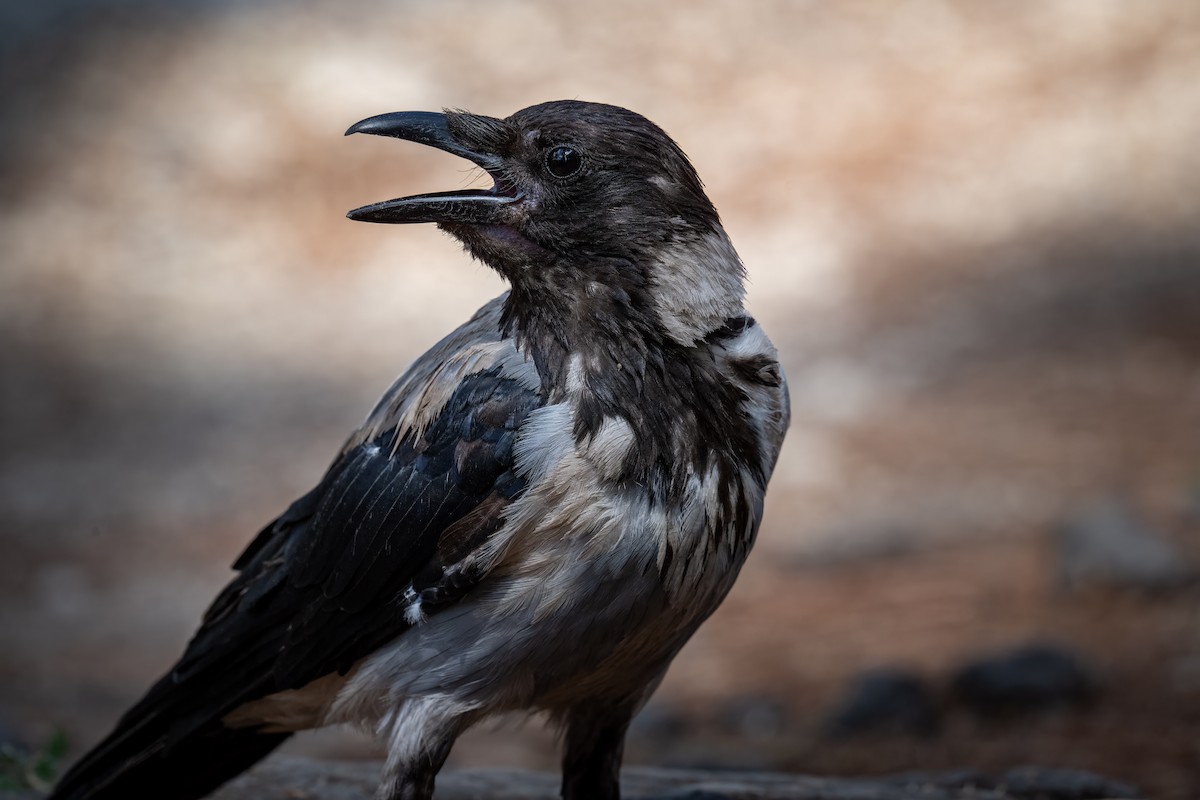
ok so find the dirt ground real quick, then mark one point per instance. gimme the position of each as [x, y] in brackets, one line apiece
[970, 229]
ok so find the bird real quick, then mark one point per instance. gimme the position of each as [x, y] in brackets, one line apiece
[539, 512]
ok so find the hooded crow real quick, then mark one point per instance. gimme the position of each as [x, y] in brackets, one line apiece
[539, 512]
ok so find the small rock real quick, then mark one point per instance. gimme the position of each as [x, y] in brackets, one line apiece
[1107, 545]
[885, 701]
[1038, 677]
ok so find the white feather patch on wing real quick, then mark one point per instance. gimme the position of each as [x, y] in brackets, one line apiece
[417, 396]
[422, 406]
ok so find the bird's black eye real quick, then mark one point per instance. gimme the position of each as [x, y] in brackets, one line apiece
[563, 161]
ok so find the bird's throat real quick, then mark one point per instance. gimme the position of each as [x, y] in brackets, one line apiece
[501, 247]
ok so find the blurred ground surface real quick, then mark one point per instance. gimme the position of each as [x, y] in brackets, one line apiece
[971, 231]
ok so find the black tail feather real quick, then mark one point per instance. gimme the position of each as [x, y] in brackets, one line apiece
[124, 768]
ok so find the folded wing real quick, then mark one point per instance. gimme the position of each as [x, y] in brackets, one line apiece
[327, 583]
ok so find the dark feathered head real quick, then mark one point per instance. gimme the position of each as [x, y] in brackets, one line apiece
[590, 201]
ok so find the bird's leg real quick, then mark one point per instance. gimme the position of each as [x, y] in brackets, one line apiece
[414, 779]
[594, 743]
[420, 735]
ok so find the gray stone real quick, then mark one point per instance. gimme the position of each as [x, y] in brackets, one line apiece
[1106, 544]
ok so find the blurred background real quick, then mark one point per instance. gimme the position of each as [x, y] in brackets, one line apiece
[973, 231]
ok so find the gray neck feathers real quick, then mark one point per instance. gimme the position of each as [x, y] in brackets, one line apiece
[698, 285]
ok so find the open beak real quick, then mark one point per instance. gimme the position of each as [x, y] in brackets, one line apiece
[470, 206]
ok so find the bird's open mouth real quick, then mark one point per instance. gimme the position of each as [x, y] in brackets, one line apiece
[471, 206]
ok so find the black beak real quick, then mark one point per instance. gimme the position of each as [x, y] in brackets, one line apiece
[471, 206]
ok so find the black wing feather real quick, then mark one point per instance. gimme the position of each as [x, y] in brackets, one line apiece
[336, 576]
[322, 586]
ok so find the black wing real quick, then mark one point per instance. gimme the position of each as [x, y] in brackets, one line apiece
[323, 585]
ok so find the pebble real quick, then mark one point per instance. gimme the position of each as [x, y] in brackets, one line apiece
[1033, 678]
[884, 701]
